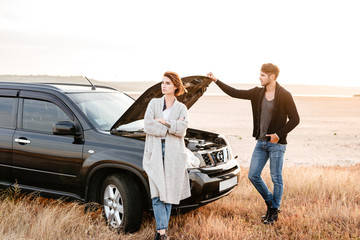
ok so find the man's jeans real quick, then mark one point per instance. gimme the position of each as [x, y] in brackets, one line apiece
[262, 152]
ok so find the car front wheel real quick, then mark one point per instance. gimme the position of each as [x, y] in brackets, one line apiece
[121, 202]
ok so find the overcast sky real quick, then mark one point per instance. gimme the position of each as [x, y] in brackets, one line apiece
[313, 42]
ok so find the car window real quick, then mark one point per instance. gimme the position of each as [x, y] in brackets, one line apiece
[102, 109]
[7, 112]
[41, 115]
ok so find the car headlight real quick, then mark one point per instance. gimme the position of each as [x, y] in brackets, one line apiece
[191, 160]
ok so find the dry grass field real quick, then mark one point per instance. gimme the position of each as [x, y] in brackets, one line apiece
[318, 203]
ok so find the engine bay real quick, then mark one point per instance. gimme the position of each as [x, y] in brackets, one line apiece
[209, 148]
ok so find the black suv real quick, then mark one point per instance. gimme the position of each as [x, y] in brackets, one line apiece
[86, 142]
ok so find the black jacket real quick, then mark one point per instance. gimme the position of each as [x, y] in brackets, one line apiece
[284, 109]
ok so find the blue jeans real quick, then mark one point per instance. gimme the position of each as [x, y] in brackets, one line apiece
[262, 152]
[162, 213]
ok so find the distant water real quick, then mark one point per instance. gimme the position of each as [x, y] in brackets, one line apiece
[310, 95]
[295, 95]
[138, 88]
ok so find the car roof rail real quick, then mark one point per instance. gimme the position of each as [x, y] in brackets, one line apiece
[52, 85]
[81, 85]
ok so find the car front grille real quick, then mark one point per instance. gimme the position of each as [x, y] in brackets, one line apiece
[215, 157]
[207, 159]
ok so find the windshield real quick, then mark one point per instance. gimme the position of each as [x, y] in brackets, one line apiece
[104, 109]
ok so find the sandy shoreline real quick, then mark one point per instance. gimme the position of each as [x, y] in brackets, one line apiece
[328, 134]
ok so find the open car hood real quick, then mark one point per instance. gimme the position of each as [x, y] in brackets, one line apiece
[195, 85]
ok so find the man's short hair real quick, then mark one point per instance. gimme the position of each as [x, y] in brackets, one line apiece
[270, 68]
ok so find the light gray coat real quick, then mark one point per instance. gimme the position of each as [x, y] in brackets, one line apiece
[168, 180]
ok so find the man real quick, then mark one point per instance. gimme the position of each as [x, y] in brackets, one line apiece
[274, 116]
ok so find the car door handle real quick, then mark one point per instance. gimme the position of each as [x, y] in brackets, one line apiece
[22, 140]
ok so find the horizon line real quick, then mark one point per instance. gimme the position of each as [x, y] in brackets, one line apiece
[150, 81]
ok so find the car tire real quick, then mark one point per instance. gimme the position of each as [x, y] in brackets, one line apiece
[121, 203]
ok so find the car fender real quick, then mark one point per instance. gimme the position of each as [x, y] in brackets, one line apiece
[130, 162]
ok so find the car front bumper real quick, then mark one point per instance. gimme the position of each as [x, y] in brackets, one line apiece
[211, 183]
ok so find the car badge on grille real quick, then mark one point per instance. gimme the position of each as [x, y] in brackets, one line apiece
[220, 156]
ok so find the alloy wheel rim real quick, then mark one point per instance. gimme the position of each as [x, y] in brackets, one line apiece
[113, 206]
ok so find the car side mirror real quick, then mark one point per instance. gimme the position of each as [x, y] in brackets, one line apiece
[64, 128]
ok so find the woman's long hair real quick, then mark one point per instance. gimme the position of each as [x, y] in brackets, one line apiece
[176, 80]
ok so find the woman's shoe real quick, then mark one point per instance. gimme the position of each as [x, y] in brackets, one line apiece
[163, 237]
[272, 217]
[157, 236]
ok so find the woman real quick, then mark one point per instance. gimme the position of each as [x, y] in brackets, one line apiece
[165, 157]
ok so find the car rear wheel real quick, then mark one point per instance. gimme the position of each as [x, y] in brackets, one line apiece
[121, 202]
